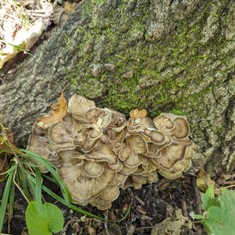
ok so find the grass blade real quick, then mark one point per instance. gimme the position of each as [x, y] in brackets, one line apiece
[50, 178]
[38, 190]
[51, 169]
[11, 205]
[5, 198]
[25, 186]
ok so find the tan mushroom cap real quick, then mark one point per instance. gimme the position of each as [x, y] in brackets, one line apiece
[102, 153]
[79, 105]
[110, 194]
[132, 160]
[171, 154]
[174, 160]
[144, 159]
[164, 122]
[181, 128]
[173, 125]
[127, 170]
[60, 133]
[83, 189]
[39, 131]
[89, 144]
[134, 145]
[54, 160]
[139, 180]
[128, 183]
[140, 124]
[117, 139]
[117, 119]
[101, 205]
[56, 148]
[170, 173]
[153, 150]
[37, 144]
[149, 168]
[72, 123]
[99, 117]
[93, 169]
[116, 166]
[70, 155]
[119, 180]
[155, 136]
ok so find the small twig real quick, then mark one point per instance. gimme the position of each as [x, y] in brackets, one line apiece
[139, 200]
[184, 208]
[230, 186]
[231, 182]
[19, 188]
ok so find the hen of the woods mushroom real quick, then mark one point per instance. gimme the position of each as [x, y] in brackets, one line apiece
[98, 151]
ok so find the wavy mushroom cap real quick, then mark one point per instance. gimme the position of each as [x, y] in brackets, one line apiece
[174, 160]
[172, 125]
[98, 151]
[105, 199]
[38, 144]
[79, 105]
[86, 185]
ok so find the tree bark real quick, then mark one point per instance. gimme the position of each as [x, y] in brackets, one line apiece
[164, 55]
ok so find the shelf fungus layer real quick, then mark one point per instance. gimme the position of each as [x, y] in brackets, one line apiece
[98, 151]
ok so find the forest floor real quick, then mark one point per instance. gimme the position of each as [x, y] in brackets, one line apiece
[161, 208]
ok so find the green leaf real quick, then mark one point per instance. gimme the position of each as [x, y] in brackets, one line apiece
[38, 191]
[5, 197]
[43, 219]
[208, 199]
[56, 221]
[220, 219]
[210, 192]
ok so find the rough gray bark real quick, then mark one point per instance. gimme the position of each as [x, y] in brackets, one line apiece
[170, 55]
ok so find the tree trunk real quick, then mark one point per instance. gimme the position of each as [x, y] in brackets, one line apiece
[163, 55]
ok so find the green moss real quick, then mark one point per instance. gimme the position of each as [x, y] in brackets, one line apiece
[177, 112]
[218, 129]
[155, 113]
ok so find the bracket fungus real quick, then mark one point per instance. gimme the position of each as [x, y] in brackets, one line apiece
[98, 151]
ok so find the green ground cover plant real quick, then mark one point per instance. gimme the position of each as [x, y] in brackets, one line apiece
[218, 218]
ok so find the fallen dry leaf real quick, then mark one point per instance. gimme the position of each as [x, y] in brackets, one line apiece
[203, 180]
[56, 115]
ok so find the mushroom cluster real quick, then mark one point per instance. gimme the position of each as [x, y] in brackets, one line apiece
[98, 151]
